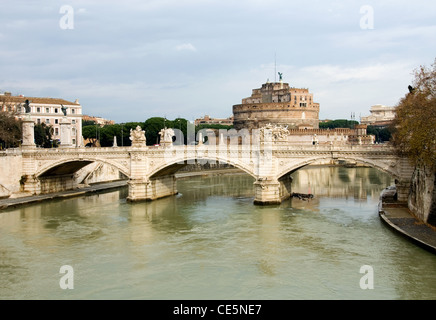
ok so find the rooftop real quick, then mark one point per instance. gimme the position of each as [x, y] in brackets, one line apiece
[35, 100]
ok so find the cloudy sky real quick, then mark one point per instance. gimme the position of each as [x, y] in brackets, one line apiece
[134, 59]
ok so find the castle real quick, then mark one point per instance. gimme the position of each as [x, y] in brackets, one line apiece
[277, 103]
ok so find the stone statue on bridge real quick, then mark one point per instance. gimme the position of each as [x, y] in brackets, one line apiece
[137, 137]
[277, 132]
[166, 136]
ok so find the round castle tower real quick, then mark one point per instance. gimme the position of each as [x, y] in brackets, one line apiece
[277, 103]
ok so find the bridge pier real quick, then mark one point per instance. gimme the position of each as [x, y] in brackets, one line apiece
[285, 188]
[30, 184]
[152, 189]
[269, 191]
[403, 183]
[403, 189]
[57, 183]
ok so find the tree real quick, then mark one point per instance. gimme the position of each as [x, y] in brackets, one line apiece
[212, 126]
[88, 123]
[152, 127]
[10, 130]
[339, 123]
[414, 129]
[90, 133]
[43, 136]
[381, 134]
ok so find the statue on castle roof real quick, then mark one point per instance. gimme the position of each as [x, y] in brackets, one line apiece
[280, 76]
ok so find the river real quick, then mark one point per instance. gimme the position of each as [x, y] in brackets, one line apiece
[211, 242]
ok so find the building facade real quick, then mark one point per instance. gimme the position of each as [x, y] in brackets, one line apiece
[48, 111]
[277, 103]
[98, 120]
[208, 120]
[381, 116]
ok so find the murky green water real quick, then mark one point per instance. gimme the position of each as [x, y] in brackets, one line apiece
[211, 242]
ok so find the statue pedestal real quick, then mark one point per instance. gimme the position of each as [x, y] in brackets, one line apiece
[139, 144]
[28, 132]
[65, 126]
[166, 144]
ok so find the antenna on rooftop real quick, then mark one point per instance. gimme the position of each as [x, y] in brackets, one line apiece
[275, 67]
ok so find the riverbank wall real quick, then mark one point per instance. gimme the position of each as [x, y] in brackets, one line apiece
[397, 216]
[11, 167]
[422, 195]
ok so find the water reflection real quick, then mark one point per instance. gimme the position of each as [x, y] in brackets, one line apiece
[332, 182]
[211, 242]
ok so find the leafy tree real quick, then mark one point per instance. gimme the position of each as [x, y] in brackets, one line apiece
[88, 123]
[91, 133]
[414, 129]
[10, 130]
[153, 126]
[339, 123]
[116, 131]
[212, 126]
[124, 132]
[43, 136]
[182, 125]
[381, 134]
[104, 136]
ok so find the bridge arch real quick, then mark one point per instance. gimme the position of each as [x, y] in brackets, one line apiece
[72, 165]
[388, 166]
[172, 166]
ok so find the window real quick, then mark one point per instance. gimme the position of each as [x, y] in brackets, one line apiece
[47, 121]
[56, 131]
[74, 141]
[73, 111]
[38, 109]
[73, 121]
[47, 110]
[56, 110]
[302, 104]
[38, 121]
[56, 121]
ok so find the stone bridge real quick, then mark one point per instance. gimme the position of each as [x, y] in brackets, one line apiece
[269, 159]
